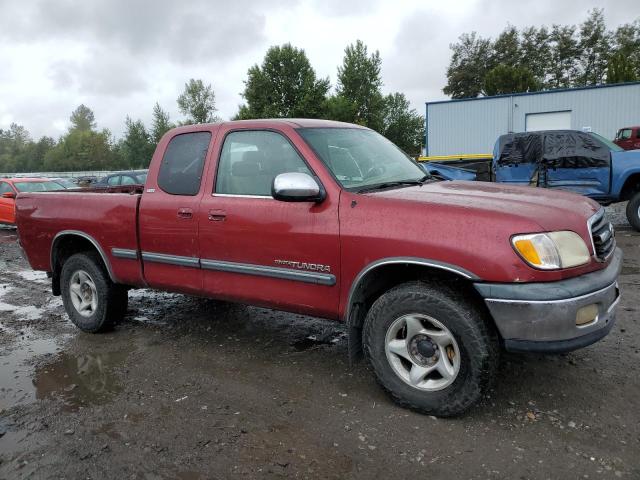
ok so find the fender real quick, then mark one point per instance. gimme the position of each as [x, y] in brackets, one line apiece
[624, 165]
[352, 319]
[88, 237]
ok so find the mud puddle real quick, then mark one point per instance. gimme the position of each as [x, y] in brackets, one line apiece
[77, 380]
[80, 381]
[16, 371]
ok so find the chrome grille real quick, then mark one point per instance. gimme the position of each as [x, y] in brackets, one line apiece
[602, 236]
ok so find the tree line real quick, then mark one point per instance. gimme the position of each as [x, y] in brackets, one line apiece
[541, 58]
[284, 85]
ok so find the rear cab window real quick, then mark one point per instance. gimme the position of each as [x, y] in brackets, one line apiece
[183, 163]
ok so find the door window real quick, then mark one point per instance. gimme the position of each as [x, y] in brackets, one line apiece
[181, 169]
[114, 181]
[127, 180]
[5, 188]
[250, 160]
[624, 134]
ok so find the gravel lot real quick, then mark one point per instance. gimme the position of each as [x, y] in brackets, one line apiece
[191, 389]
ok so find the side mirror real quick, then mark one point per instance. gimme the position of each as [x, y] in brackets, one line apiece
[296, 187]
[8, 195]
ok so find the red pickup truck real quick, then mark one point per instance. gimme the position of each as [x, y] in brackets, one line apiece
[332, 220]
[628, 138]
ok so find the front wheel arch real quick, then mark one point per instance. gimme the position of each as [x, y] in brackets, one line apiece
[383, 275]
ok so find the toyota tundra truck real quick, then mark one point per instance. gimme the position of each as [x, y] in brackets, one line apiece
[329, 219]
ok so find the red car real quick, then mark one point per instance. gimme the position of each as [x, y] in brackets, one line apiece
[9, 189]
[628, 138]
[332, 220]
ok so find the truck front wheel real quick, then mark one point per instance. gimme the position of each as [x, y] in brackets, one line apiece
[93, 302]
[633, 211]
[430, 348]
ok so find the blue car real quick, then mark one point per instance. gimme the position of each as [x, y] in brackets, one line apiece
[580, 162]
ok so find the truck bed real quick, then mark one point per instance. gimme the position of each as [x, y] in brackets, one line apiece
[108, 217]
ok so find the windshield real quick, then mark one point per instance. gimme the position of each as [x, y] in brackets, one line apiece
[612, 146]
[360, 158]
[46, 186]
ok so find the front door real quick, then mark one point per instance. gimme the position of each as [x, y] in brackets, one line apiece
[256, 249]
[169, 215]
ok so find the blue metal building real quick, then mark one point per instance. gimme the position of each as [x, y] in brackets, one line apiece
[472, 125]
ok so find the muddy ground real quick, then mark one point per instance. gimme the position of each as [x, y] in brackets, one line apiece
[191, 389]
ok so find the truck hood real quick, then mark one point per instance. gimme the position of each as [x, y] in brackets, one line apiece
[550, 209]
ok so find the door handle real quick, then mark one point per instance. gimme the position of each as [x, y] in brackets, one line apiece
[217, 215]
[185, 213]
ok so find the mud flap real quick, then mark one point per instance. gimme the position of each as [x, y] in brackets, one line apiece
[354, 332]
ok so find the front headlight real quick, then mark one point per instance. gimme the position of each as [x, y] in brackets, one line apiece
[551, 251]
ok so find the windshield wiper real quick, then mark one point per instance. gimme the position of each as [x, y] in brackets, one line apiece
[395, 183]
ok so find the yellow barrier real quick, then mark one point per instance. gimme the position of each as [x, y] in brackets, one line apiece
[448, 158]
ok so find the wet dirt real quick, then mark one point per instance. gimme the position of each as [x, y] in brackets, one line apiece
[188, 388]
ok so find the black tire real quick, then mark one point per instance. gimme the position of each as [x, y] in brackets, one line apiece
[111, 298]
[633, 211]
[473, 332]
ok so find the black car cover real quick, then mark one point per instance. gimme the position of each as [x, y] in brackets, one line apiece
[553, 149]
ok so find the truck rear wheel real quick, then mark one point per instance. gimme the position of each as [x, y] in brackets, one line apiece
[432, 350]
[633, 211]
[93, 302]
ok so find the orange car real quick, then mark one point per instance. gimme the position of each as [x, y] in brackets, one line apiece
[9, 189]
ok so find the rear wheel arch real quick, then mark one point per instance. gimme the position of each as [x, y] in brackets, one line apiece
[69, 242]
[383, 275]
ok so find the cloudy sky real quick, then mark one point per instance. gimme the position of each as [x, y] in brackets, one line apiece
[121, 56]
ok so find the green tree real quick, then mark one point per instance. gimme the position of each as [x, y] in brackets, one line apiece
[82, 118]
[359, 85]
[506, 48]
[470, 62]
[285, 85]
[402, 124]
[13, 143]
[81, 150]
[620, 69]
[594, 46]
[626, 40]
[535, 52]
[507, 79]
[136, 148]
[160, 123]
[197, 102]
[565, 54]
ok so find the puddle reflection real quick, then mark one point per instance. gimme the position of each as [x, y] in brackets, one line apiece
[80, 380]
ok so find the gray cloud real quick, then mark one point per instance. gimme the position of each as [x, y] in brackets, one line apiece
[120, 57]
[185, 31]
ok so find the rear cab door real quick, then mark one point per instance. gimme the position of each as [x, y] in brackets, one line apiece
[168, 216]
[578, 162]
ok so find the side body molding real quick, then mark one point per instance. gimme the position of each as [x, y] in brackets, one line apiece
[93, 241]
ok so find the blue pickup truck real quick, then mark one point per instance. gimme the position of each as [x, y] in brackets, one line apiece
[581, 162]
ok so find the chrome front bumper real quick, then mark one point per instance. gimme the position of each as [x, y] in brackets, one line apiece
[541, 317]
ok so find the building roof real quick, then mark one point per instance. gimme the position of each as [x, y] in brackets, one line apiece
[541, 92]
